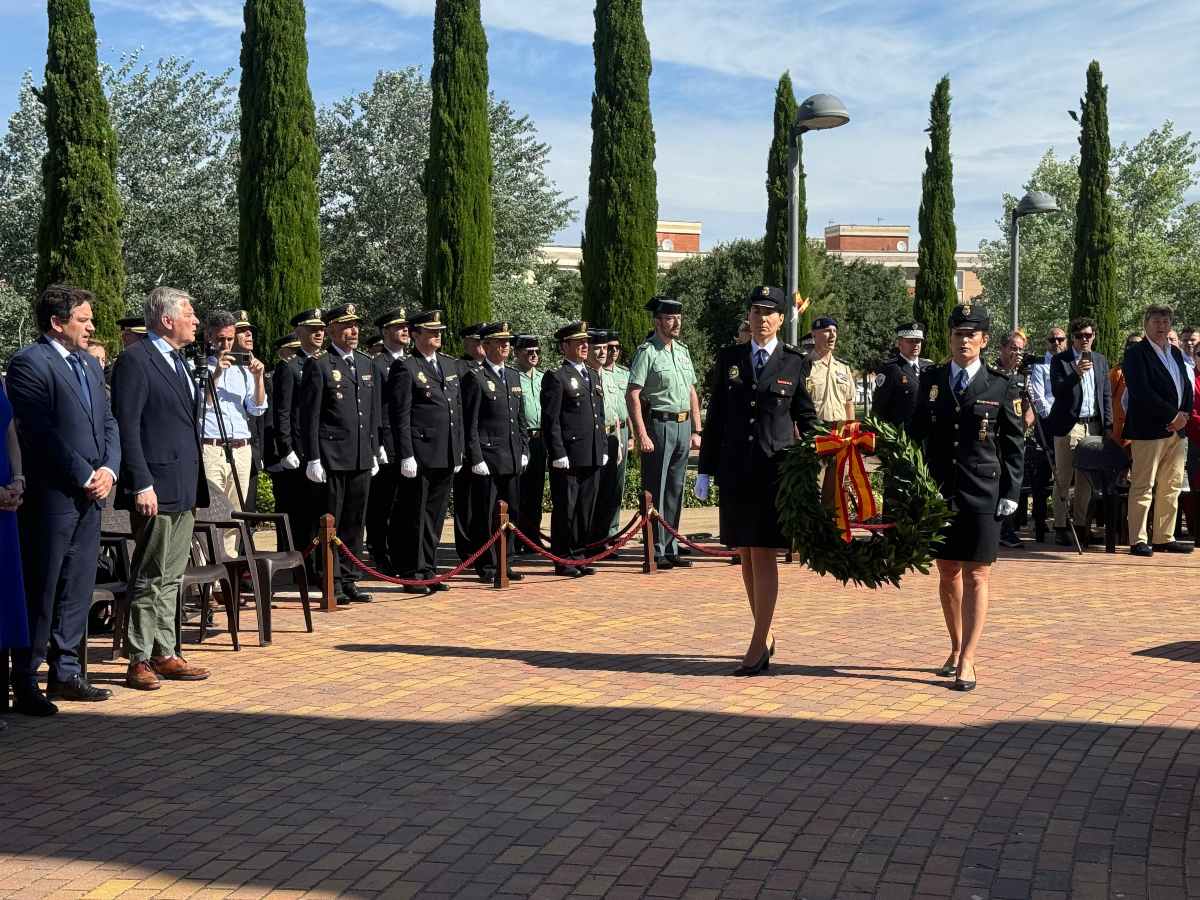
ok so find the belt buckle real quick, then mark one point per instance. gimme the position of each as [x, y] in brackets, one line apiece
[681, 417]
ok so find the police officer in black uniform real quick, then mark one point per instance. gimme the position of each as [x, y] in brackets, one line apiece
[339, 429]
[968, 419]
[464, 528]
[284, 348]
[896, 385]
[295, 495]
[576, 446]
[497, 442]
[425, 399]
[393, 326]
[758, 402]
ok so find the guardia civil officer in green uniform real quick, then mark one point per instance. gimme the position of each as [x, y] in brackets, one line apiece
[665, 413]
[620, 378]
[968, 419]
[758, 403]
[527, 353]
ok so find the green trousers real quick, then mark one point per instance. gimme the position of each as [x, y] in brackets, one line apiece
[663, 472]
[623, 438]
[162, 546]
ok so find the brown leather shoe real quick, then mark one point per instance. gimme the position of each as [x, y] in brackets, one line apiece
[141, 677]
[176, 668]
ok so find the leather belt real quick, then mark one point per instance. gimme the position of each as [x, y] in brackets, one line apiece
[233, 443]
[670, 416]
[533, 432]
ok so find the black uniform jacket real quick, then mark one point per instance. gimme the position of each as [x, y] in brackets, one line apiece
[425, 411]
[340, 411]
[383, 370]
[896, 388]
[494, 421]
[573, 416]
[745, 413]
[285, 406]
[975, 446]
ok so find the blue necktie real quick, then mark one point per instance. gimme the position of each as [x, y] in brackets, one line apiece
[760, 362]
[182, 372]
[961, 386]
[81, 374]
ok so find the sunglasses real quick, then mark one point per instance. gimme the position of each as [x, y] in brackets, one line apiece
[1081, 335]
[1055, 340]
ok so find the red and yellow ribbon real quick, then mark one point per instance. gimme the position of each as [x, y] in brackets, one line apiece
[847, 445]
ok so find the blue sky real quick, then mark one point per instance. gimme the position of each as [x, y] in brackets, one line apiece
[1016, 67]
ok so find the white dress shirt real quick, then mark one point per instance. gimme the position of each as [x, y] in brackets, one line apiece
[65, 354]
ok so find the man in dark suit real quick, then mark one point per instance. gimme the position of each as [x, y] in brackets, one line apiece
[425, 411]
[576, 445]
[295, 495]
[897, 384]
[394, 327]
[72, 454]
[497, 442]
[339, 432]
[1158, 387]
[1082, 407]
[162, 482]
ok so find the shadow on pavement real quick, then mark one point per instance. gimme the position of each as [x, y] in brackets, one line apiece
[1183, 651]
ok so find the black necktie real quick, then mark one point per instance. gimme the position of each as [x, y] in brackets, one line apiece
[182, 372]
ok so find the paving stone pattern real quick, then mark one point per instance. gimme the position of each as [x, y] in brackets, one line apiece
[579, 739]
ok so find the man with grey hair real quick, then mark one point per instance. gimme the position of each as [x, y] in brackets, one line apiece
[237, 391]
[162, 481]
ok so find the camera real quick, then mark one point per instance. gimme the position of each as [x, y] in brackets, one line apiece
[1028, 361]
[239, 357]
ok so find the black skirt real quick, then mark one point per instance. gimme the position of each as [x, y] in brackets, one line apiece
[971, 537]
[747, 513]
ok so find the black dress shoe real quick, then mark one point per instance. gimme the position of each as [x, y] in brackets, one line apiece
[418, 589]
[487, 576]
[1062, 538]
[663, 562]
[587, 570]
[440, 586]
[567, 571]
[1141, 548]
[342, 599]
[515, 576]
[359, 597]
[76, 688]
[1173, 547]
[33, 703]
[679, 562]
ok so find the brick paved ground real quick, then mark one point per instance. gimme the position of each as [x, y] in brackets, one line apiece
[578, 739]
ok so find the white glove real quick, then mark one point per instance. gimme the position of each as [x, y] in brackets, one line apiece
[604, 460]
[408, 467]
[700, 489]
[1006, 508]
[524, 461]
[480, 468]
[381, 457]
[458, 468]
[374, 468]
[315, 471]
[562, 463]
[291, 461]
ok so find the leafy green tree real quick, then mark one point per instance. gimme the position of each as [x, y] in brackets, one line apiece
[16, 322]
[937, 294]
[79, 239]
[458, 174]
[868, 300]
[620, 251]
[279, 251]
[1094, 273]
[373, 146]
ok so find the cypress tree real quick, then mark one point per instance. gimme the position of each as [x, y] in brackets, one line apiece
[620, 250]
[1094, 273]
[936, 294]
[79, 240]
[775, 257]
[458, 174]
[279, 253]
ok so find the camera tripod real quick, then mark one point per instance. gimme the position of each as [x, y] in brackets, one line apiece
[206, 384]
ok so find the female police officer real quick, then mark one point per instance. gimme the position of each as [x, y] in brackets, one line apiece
[758, 404]
[968, 417]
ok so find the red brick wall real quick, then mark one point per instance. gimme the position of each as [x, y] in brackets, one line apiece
[680, 243]
[862, 243]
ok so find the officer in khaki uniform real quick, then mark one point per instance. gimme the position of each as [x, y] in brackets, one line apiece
[830, 382]
[665, 412]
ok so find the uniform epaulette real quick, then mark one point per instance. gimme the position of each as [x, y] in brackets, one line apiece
[791, 348]
[319, 354]
[992, 370]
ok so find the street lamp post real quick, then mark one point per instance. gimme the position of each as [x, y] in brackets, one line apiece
[1031, 204]
[818, 112]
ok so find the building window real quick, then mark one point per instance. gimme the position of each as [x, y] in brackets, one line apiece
[959, 278]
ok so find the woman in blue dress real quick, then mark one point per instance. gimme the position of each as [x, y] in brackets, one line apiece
[14, 627]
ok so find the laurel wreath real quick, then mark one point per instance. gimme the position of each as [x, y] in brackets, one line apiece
[912, 506]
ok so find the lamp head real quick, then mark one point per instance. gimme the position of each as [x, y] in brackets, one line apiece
[1036, 202]
[821, 111]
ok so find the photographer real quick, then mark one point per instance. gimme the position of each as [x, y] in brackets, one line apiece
[238, 393]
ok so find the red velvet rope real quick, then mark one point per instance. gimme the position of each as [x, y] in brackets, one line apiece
[628, 535]
[707, 551]
[417, 582]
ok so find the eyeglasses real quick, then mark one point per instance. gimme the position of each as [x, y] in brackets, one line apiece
[1084, 335]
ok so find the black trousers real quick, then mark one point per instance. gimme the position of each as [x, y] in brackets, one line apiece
[59, 552]
[609, 491]
[417, 520]
[379, 513]
[464, 531]
[302, 502]
[486, 493]
[533, 486]
[573, 493]
[346, 500]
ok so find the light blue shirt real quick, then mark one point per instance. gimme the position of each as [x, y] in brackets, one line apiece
[971, 370]
[1039, 386]
[168, 352]
[1088, 408]
[235, 394]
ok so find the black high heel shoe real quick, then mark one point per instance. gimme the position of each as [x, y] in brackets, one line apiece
[961, 684]
[948, 669]
[771, 649]
[763, 664]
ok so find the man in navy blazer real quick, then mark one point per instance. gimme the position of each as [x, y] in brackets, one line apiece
[162, 481]
[1082, 407]
[72, 455]
[1158, 385]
